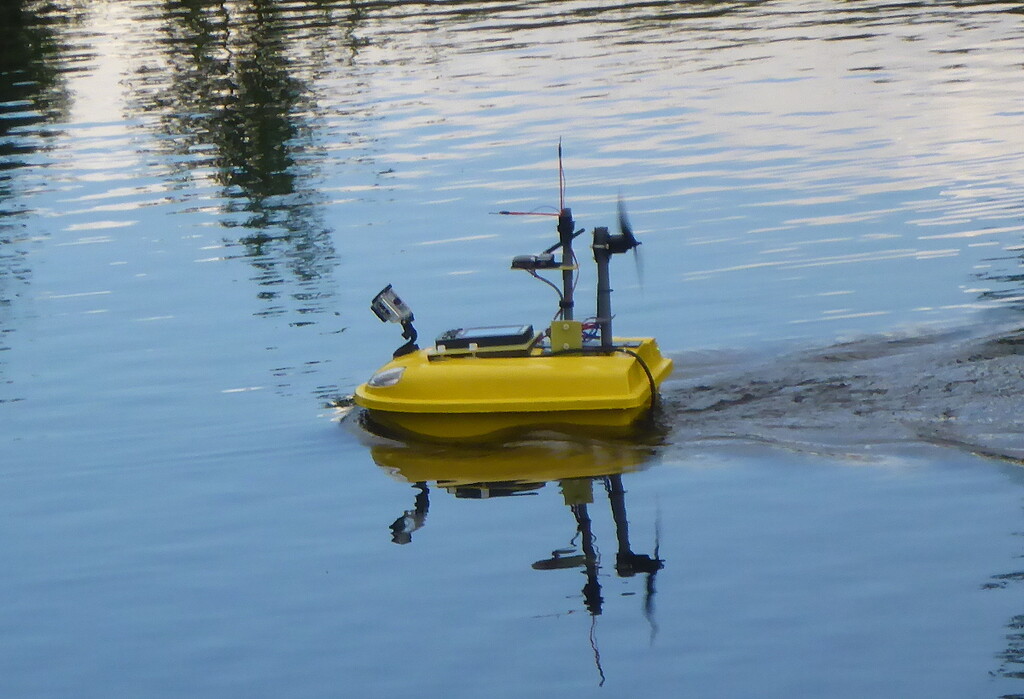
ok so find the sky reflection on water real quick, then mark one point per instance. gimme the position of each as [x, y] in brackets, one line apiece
[198, 200]
[763, 154]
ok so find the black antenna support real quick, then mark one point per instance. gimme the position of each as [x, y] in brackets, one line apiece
[566, 232]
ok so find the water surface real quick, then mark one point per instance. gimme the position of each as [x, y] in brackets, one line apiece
[198, 200]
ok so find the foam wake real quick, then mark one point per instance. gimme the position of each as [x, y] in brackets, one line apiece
[962, 388]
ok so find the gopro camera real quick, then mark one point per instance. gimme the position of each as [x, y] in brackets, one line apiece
[389, 308]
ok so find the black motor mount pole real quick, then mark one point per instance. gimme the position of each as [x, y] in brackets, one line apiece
[602, 256]
[565, 236]
[606, 245]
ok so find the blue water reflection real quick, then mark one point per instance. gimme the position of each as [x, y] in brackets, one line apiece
[197, 201]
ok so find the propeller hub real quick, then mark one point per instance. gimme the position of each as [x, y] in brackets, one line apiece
[623, 242]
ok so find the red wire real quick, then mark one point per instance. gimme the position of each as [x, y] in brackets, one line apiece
[561, 194]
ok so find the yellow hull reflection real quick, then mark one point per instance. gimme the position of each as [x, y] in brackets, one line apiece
[526, 462]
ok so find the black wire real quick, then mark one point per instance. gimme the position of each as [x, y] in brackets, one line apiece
[647, 371]
[608, 350]
[548, 282]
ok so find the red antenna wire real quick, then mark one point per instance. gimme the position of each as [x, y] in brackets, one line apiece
[561, 194]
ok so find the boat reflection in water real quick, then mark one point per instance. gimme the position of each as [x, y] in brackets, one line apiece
[525, 467]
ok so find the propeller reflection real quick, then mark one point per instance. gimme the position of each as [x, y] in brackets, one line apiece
[522, 469]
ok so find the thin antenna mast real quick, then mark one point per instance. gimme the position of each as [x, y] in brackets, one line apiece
[561, 178]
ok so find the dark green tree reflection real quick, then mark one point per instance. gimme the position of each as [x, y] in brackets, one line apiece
[229, 85]
[33, 59]
[33, 94]
[33, 91]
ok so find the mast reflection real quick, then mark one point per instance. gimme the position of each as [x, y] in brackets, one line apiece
[523, 469]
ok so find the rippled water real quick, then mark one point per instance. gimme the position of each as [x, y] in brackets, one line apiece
[197, 201]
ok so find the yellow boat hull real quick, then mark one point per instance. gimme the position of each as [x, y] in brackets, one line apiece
[481, 397]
